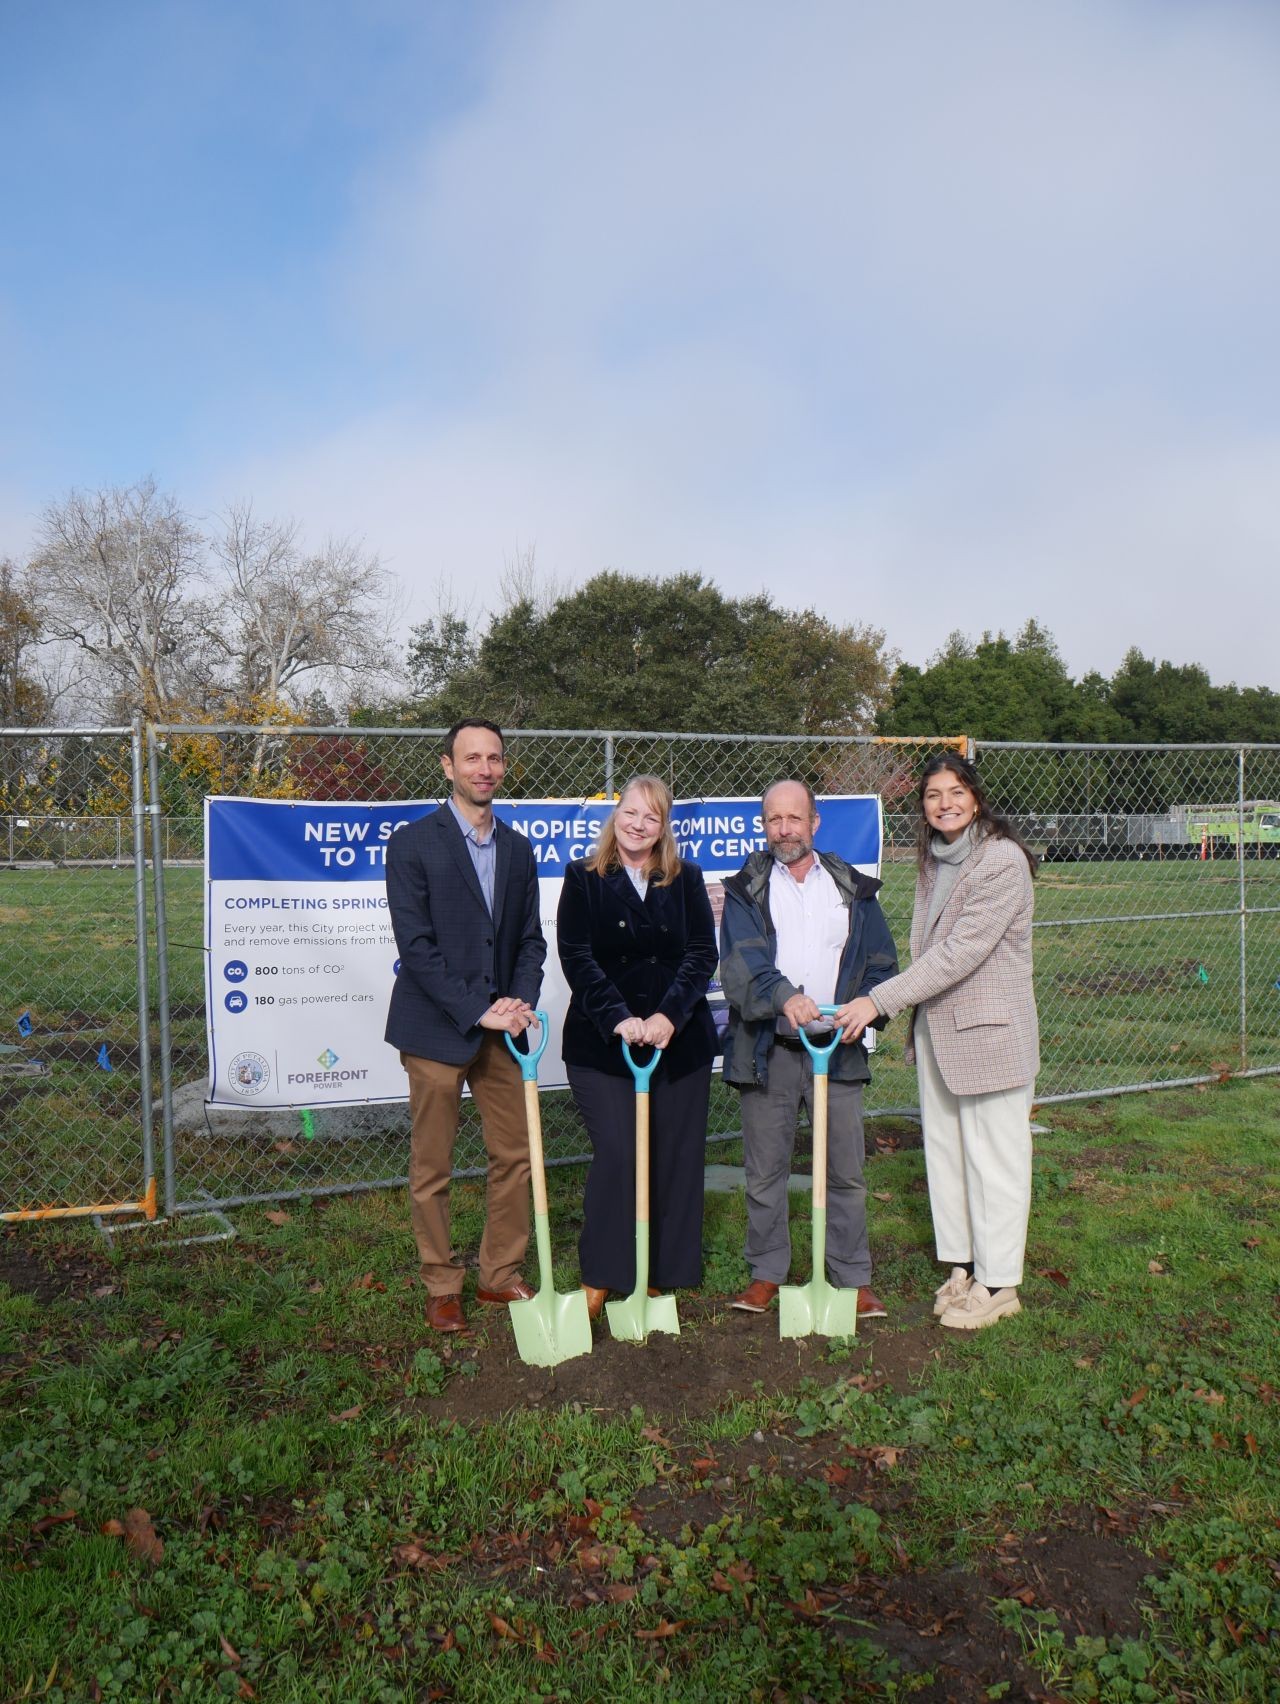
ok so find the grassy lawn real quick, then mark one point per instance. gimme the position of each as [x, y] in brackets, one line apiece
[244, 1471]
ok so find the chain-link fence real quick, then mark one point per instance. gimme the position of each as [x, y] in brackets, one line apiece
[1157, 942]
[1157, 929]
[75, 1085]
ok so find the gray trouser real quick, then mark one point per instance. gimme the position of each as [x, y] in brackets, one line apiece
[768, 1140]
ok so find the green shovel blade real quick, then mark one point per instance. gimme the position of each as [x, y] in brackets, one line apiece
[633, 1317]
[817, 1309]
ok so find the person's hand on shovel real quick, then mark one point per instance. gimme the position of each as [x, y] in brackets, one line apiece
[658, 1030]
[631, 1030]
[509, 1014]
[853, 1017]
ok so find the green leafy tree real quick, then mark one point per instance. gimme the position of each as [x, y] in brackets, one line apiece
[667, 654]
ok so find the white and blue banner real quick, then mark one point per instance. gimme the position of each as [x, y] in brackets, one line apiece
[300, 954]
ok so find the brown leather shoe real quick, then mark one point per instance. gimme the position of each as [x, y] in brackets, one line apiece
[757, 1296]
[518, 1291]
[444, 1313]
[595, 1300]
[869, 1304]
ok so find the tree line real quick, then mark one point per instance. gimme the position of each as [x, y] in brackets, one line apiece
[129, 604]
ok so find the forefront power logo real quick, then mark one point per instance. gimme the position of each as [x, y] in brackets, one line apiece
[327, 1077]
[248, 1073]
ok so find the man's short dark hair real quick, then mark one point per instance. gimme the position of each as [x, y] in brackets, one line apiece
[789, 781]
[450, 739]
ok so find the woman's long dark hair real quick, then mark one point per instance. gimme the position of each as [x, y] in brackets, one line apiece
[986, 822]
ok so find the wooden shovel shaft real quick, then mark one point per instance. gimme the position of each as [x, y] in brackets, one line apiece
[536, 1162]
[642, 1159]
[819, 1143]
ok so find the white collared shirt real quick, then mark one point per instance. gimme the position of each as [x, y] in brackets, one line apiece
[812, 922]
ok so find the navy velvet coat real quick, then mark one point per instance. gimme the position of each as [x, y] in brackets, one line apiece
[627, 957]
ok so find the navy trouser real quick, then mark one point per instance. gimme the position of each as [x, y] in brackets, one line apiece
[677, 1160]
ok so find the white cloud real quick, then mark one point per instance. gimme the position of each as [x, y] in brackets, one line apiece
[935, 315]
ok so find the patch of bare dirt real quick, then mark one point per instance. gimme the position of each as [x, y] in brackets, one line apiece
[720, 1356]
[48, 1278]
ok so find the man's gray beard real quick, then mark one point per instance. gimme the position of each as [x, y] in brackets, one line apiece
[791, 855]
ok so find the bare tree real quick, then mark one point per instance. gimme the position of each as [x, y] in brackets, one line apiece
[290, 613]
[24, 700]
[118, 572]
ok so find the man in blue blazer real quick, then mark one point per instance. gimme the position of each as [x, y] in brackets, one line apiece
[462, 889]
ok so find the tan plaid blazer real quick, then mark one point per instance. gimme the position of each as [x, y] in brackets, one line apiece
[972, 975]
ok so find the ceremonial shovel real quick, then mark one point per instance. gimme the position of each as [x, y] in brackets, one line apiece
[549, 1328]
[636, 1315]
[817, 1308]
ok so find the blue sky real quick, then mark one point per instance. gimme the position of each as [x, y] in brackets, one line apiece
[931, 316]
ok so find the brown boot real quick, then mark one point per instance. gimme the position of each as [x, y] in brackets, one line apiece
[595, 1300]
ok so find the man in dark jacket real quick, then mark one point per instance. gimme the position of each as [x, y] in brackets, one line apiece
[462, 889]
[801, 929]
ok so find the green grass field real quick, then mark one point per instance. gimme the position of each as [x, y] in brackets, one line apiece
[1120, 1002]
[242, 1471]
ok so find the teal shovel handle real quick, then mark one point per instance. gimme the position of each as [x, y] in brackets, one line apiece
[528, 1062]
[821, 1056]
[642, 1073]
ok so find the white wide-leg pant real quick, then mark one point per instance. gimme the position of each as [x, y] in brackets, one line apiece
[977, 1152]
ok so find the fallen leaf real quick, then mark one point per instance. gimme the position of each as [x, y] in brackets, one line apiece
[1024, 1596]
[229, 1650]
[882, 1194]
[1138, 1396]
[704, 1464]
[363, 1282]
[1154, 1266]
[503, 1629]
[1212, 1396]
[1251, 1242]
[1053, 1275]
[347, 1414]
[619, 1593]
[276, 1216]
[140, 1537]
[884, 1456]
[285, 1147]
[664, 1630]
[103, 1290]
[1250, 1444]
[654, 1436]
[47, 1521]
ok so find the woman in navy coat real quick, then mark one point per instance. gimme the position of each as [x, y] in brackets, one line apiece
[638, 944]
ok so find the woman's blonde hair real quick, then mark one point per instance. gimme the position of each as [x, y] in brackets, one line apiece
[663, 863]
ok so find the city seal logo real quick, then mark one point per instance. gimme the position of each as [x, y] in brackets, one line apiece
[248, 1073]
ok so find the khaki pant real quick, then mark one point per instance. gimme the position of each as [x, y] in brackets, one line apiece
[435, 1095]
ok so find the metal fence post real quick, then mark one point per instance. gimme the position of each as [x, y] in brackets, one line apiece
[162, 973]
[1244, 916]
[608, 766]
[144, 1001]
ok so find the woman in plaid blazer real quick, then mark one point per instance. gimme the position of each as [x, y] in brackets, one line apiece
[973, 1037]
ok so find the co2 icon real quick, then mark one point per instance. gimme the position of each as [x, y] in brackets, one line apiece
[236, 1001]
[235, 970]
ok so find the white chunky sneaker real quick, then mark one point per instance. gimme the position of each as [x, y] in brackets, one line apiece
[954, 1290]
[981, 1307]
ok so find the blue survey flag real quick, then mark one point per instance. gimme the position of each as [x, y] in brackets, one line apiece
[24, 1024]
[104, 1058]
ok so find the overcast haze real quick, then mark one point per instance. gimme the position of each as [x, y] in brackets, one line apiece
[930, 315]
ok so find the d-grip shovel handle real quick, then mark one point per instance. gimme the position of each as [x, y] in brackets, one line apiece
[528, 1062]
[821, 1056]
[641, 1073]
